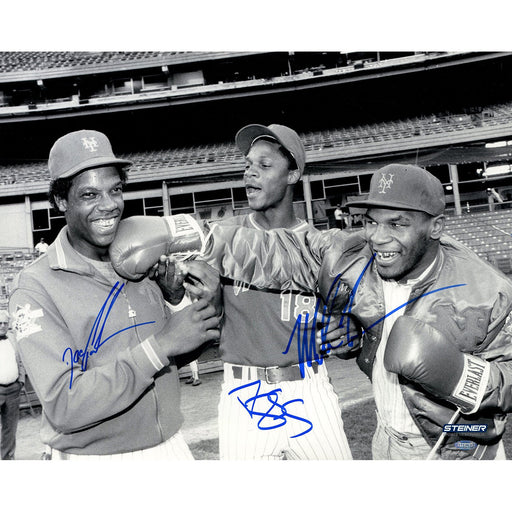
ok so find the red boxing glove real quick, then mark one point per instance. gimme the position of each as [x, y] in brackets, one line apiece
[422, 354]
[141, 240]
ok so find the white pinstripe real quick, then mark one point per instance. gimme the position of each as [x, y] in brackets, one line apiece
[386, 389]
[241, 439]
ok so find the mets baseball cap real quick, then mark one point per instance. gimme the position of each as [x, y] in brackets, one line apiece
[404, 187]
[285, 136]
[81, 150]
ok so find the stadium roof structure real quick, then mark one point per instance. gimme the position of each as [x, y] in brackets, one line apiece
[424, 158]
[35, 67]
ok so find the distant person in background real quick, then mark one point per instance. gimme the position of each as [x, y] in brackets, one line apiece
[194, 379]
[357, 220]
[347, 219]
[494, 197]
[41, 247]
[338, 217]
[12, 379]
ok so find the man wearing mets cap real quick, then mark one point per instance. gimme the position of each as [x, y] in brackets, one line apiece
[410, 191]
[258, 323]
[262, 365]
[101, 353]
[437, 341]
[436, 319]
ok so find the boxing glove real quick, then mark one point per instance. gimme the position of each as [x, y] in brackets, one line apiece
[424, 355]
[342, 267]
[141, 240]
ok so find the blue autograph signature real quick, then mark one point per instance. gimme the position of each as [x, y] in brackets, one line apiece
[268, 420]
[95, 339]
[306, 343]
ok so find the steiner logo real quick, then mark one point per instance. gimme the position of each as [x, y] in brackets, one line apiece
[455, 428]
[465, 445]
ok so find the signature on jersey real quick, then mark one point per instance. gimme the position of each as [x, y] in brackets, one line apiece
[265, 406]
[95, 340]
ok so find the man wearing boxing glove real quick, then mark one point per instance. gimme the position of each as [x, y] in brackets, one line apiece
[102, 353]
[408, 267]
[437, 325]
[258, 323]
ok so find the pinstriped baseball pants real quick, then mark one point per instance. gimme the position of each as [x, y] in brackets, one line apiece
[242, 437]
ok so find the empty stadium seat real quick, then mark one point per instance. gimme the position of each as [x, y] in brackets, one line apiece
[32, 61]
[227, 152]
[483, 232]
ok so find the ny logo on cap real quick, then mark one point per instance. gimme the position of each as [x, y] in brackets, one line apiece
[90, 143]
[385, 183]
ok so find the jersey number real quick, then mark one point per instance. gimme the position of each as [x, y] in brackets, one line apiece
[302, 305]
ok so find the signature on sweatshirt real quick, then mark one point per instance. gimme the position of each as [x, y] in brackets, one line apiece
[96, 340]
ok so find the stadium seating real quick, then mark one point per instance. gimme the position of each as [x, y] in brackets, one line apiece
[489, 234]
[313, 141]
[11, 262]
[33, 61]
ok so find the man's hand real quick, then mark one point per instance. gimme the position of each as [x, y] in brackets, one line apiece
[169, 278]
[202, 282]
[189, 328]
[338, 336]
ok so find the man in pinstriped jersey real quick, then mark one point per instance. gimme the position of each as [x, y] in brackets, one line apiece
[268, 409]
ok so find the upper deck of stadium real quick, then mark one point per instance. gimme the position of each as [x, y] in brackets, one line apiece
[19, 66]
[34, 85]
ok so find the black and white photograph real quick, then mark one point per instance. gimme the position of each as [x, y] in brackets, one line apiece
[256, 254]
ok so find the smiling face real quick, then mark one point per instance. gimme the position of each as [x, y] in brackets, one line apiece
[405, 242]
[93, 210]
[267, 177]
